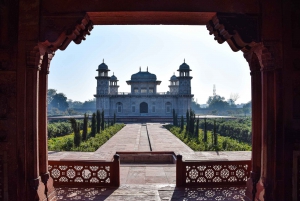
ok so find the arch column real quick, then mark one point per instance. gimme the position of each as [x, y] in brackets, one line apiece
[256, 97]
[241, 32]
[32, 168]
[43, 134]
[270, 185]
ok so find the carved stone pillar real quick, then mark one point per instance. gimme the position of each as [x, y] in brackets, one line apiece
[43, 136]
[256, 96]
[31, 138]
[270, 185]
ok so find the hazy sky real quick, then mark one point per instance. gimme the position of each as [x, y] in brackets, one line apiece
[161, 48]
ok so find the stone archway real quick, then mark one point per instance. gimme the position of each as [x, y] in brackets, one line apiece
[225, 27]
[239, 31]
[144, 108]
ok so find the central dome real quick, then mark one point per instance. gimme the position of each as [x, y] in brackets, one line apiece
[143, 77]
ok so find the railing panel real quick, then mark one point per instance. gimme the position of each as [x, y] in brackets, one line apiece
[84, 173]
[202, 173]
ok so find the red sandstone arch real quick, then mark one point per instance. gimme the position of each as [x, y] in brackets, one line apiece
[239, 31]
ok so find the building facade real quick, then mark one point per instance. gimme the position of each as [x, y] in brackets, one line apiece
[143, 100]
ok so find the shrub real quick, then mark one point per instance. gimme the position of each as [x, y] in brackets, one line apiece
[223, 144]
[66, 143]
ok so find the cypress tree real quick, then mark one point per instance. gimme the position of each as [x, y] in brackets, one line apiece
[191, 122]
[187, 122]
[76, 129]
[174, 123]
[103, 121]
[215, 134]
[176, 119]
[205, 131]
[93, 132]
[115, 118]
[182, 123]
[197, 130]
[98, 121]
[85, 126]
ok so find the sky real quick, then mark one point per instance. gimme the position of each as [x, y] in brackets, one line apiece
[161, 48]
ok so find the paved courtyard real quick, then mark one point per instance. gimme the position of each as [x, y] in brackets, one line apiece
[147, 181]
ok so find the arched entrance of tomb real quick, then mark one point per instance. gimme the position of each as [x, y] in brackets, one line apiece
[239, 31]
[144, 108]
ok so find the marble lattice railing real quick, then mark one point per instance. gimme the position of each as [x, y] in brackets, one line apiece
[85, 173]
[206, 173]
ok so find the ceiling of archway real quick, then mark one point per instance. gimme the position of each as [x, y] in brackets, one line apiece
[150, 17]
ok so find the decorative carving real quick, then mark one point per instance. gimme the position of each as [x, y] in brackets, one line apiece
[81, 173]
[220, 172]
[241, 33]
[239, 30]
[35, 56]
[77, 33]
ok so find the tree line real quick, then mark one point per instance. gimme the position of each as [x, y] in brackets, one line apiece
[59, 104]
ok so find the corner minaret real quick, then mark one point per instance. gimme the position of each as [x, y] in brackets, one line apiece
[174, 83]
[102, 79]
[113, 85]
[102, 93]
[184, 79]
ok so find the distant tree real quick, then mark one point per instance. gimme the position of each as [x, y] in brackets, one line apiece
[74, 104]
[89, 105]
[94, 129]
[98, 121]
[247, 108]
[103, 121]
[214, 112]
[76, 129]
[85, 126]
[50, 94]
[59, 101]
[71, 111]
[217, 102]
[195, 105]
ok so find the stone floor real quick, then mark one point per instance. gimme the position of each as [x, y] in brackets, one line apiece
[160, 192]
[148, 181]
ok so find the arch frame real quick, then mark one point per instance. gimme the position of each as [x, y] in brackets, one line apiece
[254, 50]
